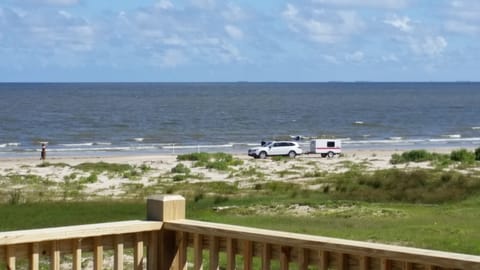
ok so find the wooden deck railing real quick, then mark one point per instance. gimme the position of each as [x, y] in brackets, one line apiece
[166, 240]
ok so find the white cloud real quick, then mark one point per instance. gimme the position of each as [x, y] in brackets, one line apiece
[355, 57]
[464, 17]
[234, 32]
[387, 4]
[65, 14]
[55, 2]
[462, 27]
[204, 4]
[401, 23]
[429, 46]
[164, 4]
[63, 2]
[234, 13]
[321, 26]
[390, 58]
[331, 59]
[170, 58]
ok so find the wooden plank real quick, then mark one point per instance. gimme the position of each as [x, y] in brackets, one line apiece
[323, 255]
[98, 254]
[152, 257]
[197, 252]
[302, 259]
[213, 253]
[284, 257]
[266, 256]
[11, 258]
[54, 256]
[80, 231]
[364, 262]
[182, 250]
[231, 252]
[118, 256]
[77, 254]
[342, 261]
[138, 252]
[247, 254]
[35, 256]
[385, 264]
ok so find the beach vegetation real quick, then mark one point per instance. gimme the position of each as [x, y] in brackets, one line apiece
[284, 159]
[477, 154]
[180, 177]
[284, 173]
[180, 168]
[15, 197]
[463, 156]
[70, 177]
[90, 179]
[218, 161]
[415, 186]
[249, 172]
[48, 164]
[313, 174]
[101, 167]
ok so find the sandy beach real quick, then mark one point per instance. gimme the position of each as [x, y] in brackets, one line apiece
[57, 173]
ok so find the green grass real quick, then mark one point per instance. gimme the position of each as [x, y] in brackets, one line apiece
[450, 227]
[52, 214]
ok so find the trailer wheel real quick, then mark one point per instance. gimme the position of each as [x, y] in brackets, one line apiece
[324, 155]
[330, 154]
[292, 154]
[262, 155]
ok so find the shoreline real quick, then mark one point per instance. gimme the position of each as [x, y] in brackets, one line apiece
[58, 155]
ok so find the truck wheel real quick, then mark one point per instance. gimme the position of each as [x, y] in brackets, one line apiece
[331, 154]
[262, 155]
[292, 154]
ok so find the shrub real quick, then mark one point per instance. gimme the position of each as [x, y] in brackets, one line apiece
[180, 177]
[463, 155]
[220, 199]
[92, 178]
[411, 156]
[202, 156]
[180, 168]
[477, 153]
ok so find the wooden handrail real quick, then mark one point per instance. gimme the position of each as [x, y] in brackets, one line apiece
[169, 241]
[302, 243]
[78, 231]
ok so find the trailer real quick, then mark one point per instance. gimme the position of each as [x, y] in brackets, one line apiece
[326, 147]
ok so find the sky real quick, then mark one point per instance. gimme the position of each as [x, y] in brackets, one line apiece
[239, 40]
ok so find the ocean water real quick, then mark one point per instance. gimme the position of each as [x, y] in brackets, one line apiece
[106, 118]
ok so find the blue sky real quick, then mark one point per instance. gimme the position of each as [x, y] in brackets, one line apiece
[249, 40]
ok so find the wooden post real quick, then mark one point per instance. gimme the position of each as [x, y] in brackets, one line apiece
[166, 208]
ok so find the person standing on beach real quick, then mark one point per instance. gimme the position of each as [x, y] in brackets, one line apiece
[43, 154]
